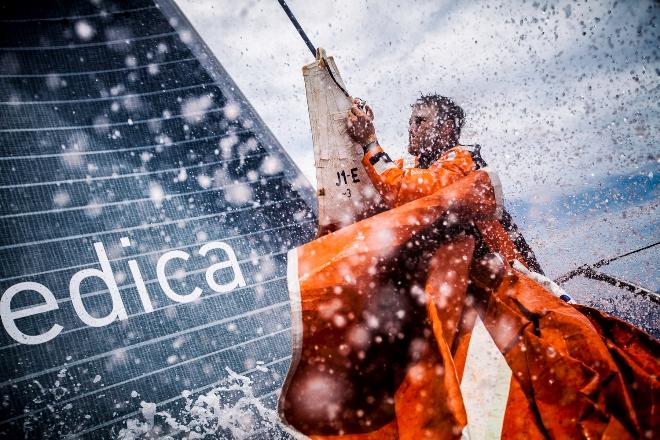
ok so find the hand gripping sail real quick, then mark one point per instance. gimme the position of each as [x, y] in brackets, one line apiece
[345, 193]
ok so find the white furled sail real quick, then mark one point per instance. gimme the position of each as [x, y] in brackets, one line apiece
[345, 193]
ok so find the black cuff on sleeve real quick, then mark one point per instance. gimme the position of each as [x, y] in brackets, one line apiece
[379, 156]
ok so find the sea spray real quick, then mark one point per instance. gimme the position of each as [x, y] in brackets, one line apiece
[230, 410]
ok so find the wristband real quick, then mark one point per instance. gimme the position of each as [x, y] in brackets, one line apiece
[368, 146]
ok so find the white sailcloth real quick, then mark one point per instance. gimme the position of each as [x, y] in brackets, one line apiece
[345, 193]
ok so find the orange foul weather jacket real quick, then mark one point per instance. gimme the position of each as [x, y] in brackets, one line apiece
[398, 185]
[385, 312]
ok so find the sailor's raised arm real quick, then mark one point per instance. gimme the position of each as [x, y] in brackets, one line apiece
[360, 122]
[384, 173]
[395, 185]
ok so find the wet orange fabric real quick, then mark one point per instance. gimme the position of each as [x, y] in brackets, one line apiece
[398, 185]
[387, 309]
[583, 381]
[369, 356]
[497, 240]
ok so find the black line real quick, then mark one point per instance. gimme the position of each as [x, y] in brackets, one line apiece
[95, 72]
[96, 44]
[609, 260]
[110, 124]
[108, 98]
[621, 284]
[311, 47]
[128, 175]
[175, 398]
[76, 17]
[116, 150]
[143, 226]
[299, 28]
[140, 377]
[580, 270]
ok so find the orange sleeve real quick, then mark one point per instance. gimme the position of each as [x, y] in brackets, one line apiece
[398, 186]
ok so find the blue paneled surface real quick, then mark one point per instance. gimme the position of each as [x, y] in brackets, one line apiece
[115, 121]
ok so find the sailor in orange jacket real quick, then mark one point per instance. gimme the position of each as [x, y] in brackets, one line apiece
[366, 367]
[383, 311]
[440, 160]
[435, 125]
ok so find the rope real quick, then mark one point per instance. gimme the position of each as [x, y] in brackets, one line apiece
[299, 28]
[588, 271]
[568, 275]
[312, 48]
[608, 261]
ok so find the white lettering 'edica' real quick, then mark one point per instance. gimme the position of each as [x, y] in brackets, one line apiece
[8, 316]
[105, 274]
[238, 280]
[165, 285]
[139, 281]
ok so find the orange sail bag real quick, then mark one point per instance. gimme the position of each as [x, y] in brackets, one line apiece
[382, 316]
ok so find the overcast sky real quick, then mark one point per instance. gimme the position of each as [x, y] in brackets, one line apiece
[563, 99]
[557, 96]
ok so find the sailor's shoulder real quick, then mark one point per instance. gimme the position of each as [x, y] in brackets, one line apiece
[472, 148]
[458, 152]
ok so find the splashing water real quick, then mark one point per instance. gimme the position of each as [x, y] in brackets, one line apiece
[230, 411]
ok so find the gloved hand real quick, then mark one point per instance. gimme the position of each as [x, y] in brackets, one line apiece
[360, 123]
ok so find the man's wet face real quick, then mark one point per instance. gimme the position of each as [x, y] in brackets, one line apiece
[422, 128]
[427, 133]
